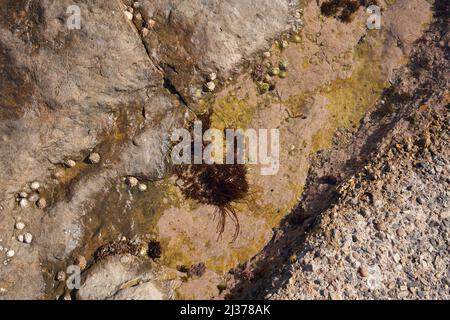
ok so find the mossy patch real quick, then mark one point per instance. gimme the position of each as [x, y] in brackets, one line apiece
[297, 103]
[231, 112]
[350, 98]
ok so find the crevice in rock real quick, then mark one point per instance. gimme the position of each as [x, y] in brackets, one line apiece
[167, 83]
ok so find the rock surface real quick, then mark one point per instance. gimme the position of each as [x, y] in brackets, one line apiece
[121, 277]
[83, 109]
[102, 89]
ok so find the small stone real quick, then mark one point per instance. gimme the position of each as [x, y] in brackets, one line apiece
[23, 203]
[35, 186]
[210, 86]
[145, 32]
[401, 232]
[20, 238]
[308, 268]
[10, 253]
[94, 158]
[41, 203]
[151, 23]
[69, 163]
[132, 181]
[380, 226]
[28, 238]
[363, 272]
[364, 212]
[20, 225]
[61, 276]
[335, 296]
[266, 54]
[212, 76]
[142, 187]
[129, 15]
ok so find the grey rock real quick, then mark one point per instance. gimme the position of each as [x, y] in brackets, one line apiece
[116, 278]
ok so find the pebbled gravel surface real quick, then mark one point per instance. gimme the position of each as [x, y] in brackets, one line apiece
[388, 237]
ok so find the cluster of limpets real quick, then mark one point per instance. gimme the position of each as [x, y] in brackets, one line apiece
[265, 75]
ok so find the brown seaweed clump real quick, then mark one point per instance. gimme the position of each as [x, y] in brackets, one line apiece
[343, 9]
[218, 185]
[196, 270]
[154, 250]
[115, 248]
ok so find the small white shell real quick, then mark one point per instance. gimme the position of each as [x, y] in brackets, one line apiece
[28, 237]
[212, 76]
[94, 157]
[132, 181]
[35, 185]
[210, 86]
[20, 225]
[10, 253]
[23, 203]
[41, 203]
[69, 163]
[129, 15]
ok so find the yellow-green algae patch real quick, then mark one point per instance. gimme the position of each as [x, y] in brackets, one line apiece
[297, 103]
[350, 98]
[232, 112]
